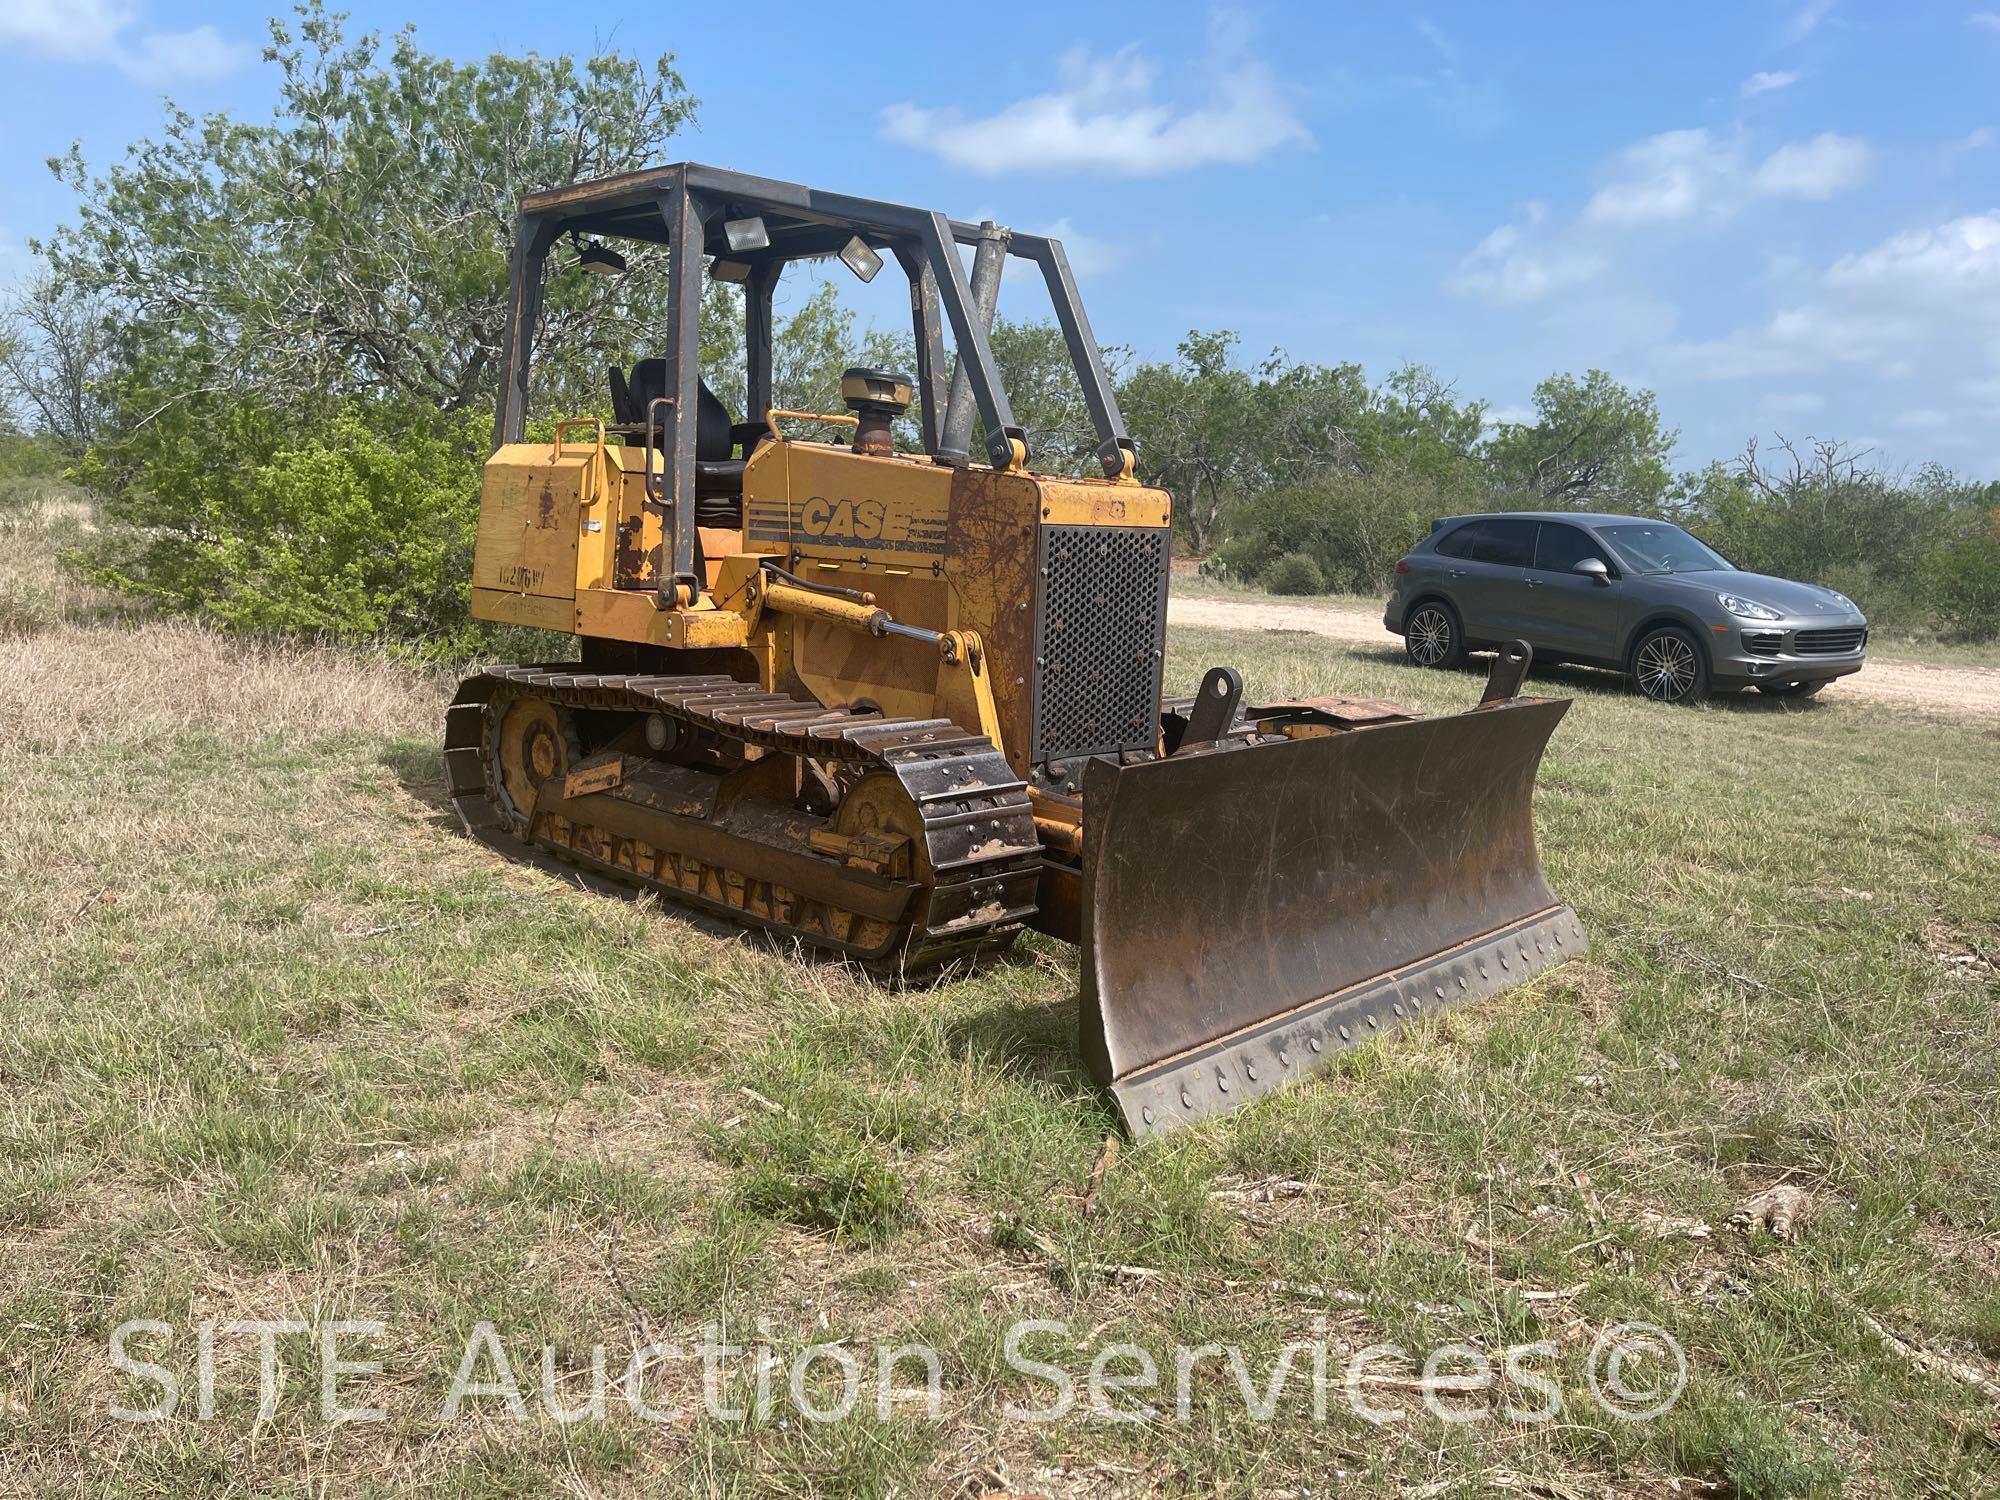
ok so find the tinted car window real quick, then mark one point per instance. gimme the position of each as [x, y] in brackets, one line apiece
[1460, 541]
[1658, 547]
[1508, 543]
[1559, 548]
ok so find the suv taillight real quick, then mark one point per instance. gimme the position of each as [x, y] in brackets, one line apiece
[1402, 566]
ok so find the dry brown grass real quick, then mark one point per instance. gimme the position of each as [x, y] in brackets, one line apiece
[77, 685]
[38, 522]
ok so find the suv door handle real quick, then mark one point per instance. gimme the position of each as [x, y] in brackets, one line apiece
[1456, 572]
[1533, 583]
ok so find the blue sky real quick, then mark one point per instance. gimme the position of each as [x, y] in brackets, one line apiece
[1782, 215]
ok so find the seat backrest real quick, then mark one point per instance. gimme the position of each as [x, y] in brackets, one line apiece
[712, 439]
[624, 409]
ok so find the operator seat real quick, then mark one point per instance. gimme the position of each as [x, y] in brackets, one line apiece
[718, 476]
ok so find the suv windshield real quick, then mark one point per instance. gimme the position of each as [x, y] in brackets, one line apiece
[1657, 548]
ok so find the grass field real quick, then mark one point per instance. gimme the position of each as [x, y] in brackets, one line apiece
[280, 1043]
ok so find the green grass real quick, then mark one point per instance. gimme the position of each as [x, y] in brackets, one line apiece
[279, 1042]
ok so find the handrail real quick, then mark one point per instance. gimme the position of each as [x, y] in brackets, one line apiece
[838, 418]
[656, 486]
[586, 487]
[569, 422]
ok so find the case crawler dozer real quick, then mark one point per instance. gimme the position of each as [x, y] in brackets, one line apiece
[900, 705]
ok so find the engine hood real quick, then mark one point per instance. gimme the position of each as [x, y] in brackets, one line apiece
[1795, 600]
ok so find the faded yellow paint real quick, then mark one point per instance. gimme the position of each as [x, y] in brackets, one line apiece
[529, 510]
[1106, 503]
[601, 777]
[738, 582]
[851, 613]
[629, 615]
[842, 667]
[946, 549]
[964, 692]
[506, 608]
[833, 503]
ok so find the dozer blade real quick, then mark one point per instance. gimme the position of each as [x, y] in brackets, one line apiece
[1251, 908]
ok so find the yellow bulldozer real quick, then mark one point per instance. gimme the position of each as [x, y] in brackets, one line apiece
[901, 705]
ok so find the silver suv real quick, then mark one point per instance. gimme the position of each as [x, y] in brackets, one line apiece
[1638, 596]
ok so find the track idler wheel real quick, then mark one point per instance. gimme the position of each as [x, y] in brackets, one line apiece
[877, 813]
[529, 741]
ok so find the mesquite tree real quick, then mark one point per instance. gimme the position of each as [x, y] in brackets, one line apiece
[356, 244]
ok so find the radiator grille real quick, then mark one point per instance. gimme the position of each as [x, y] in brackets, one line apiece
[1099, 636]
[1829, 642]
[1763, 642]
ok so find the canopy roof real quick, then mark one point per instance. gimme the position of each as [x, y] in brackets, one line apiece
[801, 221]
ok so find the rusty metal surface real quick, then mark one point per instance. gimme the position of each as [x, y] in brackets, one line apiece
[715, 844]
[601, 777]
[1059, 901]
[1244, 902]
[1213, 712]
[977, 821]
[1337, 710]
[1508, 672]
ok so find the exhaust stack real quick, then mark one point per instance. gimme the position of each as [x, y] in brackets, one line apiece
[877, 398]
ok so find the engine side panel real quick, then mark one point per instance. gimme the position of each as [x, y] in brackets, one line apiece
[951, 549]
[530, 511]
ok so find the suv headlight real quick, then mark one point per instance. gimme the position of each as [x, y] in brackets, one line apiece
[1749, 609]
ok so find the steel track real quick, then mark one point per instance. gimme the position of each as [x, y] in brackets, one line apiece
[978, 825]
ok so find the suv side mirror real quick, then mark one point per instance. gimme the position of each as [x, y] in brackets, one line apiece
[1593, 568]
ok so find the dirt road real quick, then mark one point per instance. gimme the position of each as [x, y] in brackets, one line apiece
[1960, 692]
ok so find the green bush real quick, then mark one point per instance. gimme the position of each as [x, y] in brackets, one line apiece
[355, 527]
[1921, 548]
[27, 457]
[1294, 573]
[1964, 585]
[1242, 558]
[1352, 526]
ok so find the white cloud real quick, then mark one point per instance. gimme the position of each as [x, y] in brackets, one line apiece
[1945, 158]
[70, 32]
[1799, 340]
[1923, 419]
[1508, 267]
[1928, 300]
[1985, 20]
[1678, 173]
[1765, 83]
[85, 31]
[1664, 177]
[1805, 21]
[1087, 253]
[1434, 34]
[1499, 416]
[198, 56]
[1954, 268]
[1103, 116]
[1818, 168]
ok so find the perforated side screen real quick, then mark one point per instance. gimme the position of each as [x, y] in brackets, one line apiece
[1099, 639]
